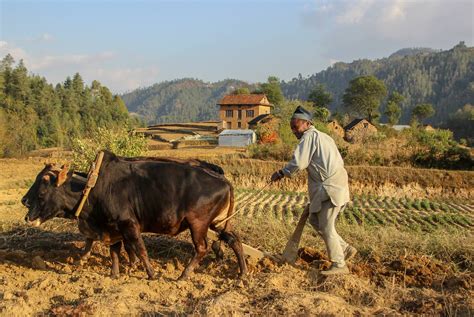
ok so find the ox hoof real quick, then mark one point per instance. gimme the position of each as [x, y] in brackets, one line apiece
[79, 262]
[216, 248]
[183, 277]
[151, 278]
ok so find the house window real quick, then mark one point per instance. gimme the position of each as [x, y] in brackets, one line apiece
[239, 112]
[228, 113]
[239, 125]
[249, 114]
[366, 125]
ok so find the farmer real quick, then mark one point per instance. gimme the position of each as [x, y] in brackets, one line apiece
[327, 185]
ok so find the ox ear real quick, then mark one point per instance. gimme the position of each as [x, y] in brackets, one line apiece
[62, 176]
[46, 178]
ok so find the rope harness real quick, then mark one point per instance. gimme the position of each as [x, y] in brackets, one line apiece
[91, 181]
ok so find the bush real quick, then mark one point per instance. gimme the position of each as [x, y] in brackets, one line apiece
[118, 141]
[267, 133]
[437, 149]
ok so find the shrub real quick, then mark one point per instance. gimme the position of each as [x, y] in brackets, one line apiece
[438, 149]
[267, 133]
[118, 141]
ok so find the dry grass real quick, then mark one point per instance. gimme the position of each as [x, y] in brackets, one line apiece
[397, 271]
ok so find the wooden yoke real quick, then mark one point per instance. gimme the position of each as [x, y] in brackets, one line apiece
[91, 181]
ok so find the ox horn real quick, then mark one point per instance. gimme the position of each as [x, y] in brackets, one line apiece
[62, 176]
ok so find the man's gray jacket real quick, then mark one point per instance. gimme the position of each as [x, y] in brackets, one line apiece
[317, 152]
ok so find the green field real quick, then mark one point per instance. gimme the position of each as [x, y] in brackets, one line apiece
[416, 214]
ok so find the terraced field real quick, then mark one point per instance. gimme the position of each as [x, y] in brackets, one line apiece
[416, 214]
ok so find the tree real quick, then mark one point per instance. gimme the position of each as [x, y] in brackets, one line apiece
[33, 114]
[364, 95]
[461, 123]
[272, 90]
[320, 97]
[393, 110]
[321, 114]
[241, 91]
[422, 112]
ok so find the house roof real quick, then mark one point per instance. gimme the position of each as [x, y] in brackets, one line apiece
[356, 122]
[397, 127]
[353, 124]
[259, 118]
[245, 99]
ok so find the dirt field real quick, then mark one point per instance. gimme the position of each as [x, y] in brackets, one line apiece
[415, 256]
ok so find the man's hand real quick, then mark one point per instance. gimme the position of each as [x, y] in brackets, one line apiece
[277, 176]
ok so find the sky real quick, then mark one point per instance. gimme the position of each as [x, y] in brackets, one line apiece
[131, 44]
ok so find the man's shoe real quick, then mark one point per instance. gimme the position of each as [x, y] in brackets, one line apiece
[349, 253]
[334, 270]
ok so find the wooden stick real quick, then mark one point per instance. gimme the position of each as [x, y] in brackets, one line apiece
[291, 250]
[248, 250]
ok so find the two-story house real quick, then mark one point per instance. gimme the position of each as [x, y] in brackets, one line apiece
[237, 110]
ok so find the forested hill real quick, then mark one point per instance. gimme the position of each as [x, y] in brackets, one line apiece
[36, 114]
[180, 100]
[442, 78]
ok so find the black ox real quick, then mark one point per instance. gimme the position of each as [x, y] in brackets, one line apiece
[134, 195]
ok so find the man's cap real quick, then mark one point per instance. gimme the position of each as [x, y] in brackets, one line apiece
[302, 113]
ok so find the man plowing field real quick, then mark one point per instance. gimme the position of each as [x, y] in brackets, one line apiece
[327, 186]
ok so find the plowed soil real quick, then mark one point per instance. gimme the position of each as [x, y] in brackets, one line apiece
[39, 273]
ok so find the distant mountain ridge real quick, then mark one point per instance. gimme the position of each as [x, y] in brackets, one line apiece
[181, 100]
[410, 51]
[422, 75]
[442, 78]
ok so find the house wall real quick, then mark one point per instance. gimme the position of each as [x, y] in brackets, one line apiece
[360, 132]
[233, 122]
[336, 128]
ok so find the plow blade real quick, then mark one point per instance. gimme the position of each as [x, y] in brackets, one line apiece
[248, 250]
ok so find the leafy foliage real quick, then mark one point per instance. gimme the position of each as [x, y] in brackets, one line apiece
[438, 149]
[364, 95]
[422, 111]
[461, 123]
[393, 110]
[320, 97]
[118, 141]
[444, 79]
[35, 114]
[272, 90]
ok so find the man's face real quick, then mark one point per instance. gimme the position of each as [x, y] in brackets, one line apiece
[298, 127]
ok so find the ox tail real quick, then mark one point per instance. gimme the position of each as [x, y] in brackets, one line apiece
[223, 224]
[230, 211]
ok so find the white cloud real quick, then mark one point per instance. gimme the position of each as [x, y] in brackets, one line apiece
[367, 28]
[124, 79]
[16, 52]
[71, 59]
[395, 11]
[354, 11]
[102, 66]
[46, 37]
